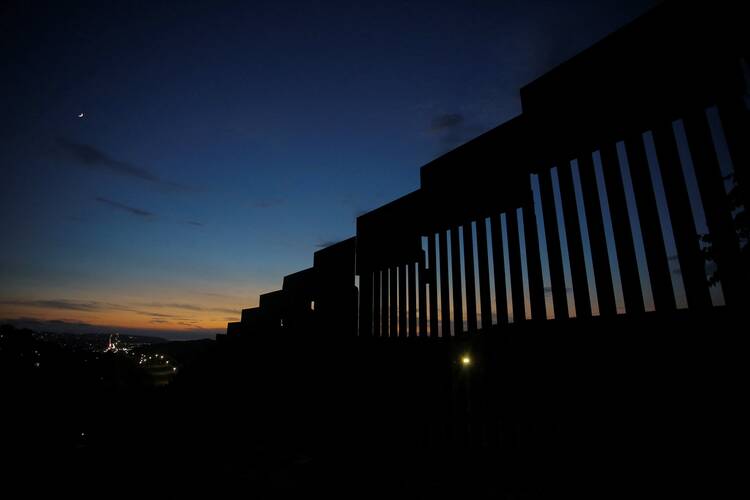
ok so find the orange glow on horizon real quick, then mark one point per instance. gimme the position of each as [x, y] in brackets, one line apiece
[151, 310]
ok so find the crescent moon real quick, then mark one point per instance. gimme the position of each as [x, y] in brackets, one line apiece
[80, 115]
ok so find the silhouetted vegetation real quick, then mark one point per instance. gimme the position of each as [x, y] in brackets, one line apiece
[741, 219]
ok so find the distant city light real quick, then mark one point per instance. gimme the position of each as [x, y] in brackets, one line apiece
[115, 345]
[465, 360]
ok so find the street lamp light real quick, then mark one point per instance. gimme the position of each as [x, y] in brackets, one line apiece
[465, 360]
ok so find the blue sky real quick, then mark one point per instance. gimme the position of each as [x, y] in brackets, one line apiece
[223, 142]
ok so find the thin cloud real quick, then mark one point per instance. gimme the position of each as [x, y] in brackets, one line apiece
[187, 307]
[191, 324]
[32, 323]
[268, 203]
[452, 129]
[216, 295]
[156, 315]
[135, 307]
[446, 121]
[68, 305]
[93, 158]
[62, 322]
[194, 223]
[192, 332]
[121, 206]
[83, 306]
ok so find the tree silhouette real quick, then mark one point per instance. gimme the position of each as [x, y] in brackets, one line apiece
[741, 226]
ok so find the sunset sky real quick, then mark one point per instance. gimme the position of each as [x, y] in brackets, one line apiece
[222, 143]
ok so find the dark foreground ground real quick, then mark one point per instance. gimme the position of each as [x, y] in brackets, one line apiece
[647, 408]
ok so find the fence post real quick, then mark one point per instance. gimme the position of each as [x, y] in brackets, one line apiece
[554, 251]
[629, 275]
[692, 265]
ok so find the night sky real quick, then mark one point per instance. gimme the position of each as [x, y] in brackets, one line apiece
[222, 143]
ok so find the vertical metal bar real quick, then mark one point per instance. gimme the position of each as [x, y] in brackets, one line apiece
[692, 264]
[445, 304]
[402, 312]
[394, 301]
[384, 306]
[433, 283]
[653, 238]
[376, 310]
[412, 307]
[629, 276]
[423, 310]
[471, 287]
[724, 243]
[605, 291]
[498, 264]
[485, 300]
[458, 316]
[514, 260]
[575, 243]
[554, 246]
[534, 263]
